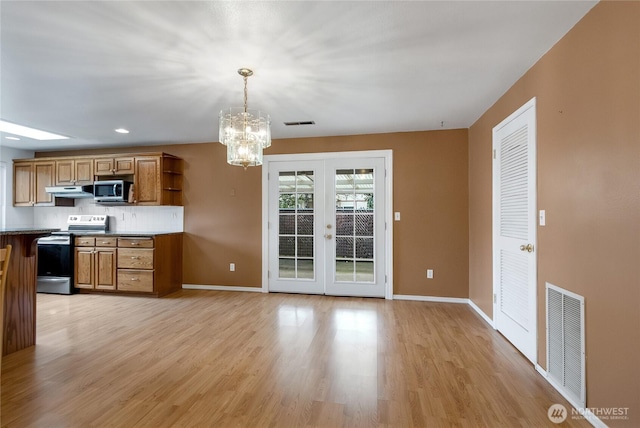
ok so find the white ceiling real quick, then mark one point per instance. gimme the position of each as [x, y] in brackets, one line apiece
[164, 70]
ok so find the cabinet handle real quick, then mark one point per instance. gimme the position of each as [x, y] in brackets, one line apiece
[135, 279]
[134, 257]
[105, 242]
[135, 243]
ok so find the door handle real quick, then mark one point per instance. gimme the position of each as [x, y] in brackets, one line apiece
[328, 236]
[528, 248]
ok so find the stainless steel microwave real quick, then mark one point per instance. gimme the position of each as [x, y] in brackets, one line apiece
[111, 190]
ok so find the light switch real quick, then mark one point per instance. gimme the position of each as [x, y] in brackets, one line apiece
[232, 267]
[543, 218]
[396, 216]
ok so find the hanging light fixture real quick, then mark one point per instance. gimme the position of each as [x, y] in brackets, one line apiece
[244, 132]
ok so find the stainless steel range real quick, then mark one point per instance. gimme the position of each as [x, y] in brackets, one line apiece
[56, 253]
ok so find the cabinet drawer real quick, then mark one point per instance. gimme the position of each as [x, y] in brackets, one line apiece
[135, 242]
[130, 258]
[135, 280]
[106, 242]
[85, 242]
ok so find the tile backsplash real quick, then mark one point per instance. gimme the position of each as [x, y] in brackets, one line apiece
[123, 218]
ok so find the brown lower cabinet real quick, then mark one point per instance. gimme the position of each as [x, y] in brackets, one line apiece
[95, 266]
[150, 265]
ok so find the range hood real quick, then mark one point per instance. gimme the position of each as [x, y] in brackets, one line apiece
[74, 192]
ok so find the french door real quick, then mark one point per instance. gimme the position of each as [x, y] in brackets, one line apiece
[514, 229]
[326, 226]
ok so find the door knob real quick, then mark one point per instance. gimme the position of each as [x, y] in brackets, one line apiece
[528, 248]
[329, 226]
[328, 236]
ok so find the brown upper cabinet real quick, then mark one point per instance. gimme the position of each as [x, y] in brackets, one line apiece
[71, 172]
[113, 166]
[157, 177]
[29, 180]
[157, 180]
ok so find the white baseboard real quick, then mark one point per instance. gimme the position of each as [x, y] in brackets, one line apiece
[586, 413]
[221, 288]
[430, 298]
[482, 314]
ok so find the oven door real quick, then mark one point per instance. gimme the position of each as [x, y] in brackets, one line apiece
[55, 268]
[55, 260]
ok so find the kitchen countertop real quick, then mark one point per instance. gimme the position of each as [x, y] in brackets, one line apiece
[26, 231]
[117, 233]
[40, 231]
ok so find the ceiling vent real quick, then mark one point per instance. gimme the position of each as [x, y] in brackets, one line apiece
[306, 122]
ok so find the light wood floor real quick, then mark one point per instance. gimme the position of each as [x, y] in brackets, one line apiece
[218, 359]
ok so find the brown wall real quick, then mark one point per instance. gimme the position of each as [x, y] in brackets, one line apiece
[588, 123]
[430, 191]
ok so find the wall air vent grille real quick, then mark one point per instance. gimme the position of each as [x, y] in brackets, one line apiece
[565, 343]
[307, 122]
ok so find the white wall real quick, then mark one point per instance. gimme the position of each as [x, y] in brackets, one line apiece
[121, 218]
[3, 193]
[14, 216]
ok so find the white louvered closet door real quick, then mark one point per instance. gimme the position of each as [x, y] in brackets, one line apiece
[514, 229]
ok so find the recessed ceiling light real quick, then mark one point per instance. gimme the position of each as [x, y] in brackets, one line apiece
[25, 131]
[122, 131]
[12, 138]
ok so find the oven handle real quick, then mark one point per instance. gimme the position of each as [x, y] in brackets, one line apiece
[52, 279]
[63, 242]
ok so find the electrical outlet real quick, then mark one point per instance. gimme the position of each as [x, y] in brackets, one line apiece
[232, 267]
[430, 273]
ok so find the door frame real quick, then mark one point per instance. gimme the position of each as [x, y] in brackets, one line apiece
[531, 104]
[387, 155]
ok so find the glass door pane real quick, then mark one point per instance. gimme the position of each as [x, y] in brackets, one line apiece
[354, 219]
[296, 224]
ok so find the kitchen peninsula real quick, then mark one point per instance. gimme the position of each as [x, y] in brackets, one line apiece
[19, 323]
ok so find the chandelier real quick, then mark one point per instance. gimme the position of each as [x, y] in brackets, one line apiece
[244, 132]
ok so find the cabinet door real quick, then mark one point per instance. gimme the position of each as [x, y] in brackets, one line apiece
[105, 268]
[124, 165]
[44, 175]
[83, 171]
[84, 268]
[22, 184]
[64, 172]
[147, 181]
[103, 166]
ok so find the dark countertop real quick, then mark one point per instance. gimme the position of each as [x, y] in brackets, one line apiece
[116, 233]
[26, 231]
[42, 231]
